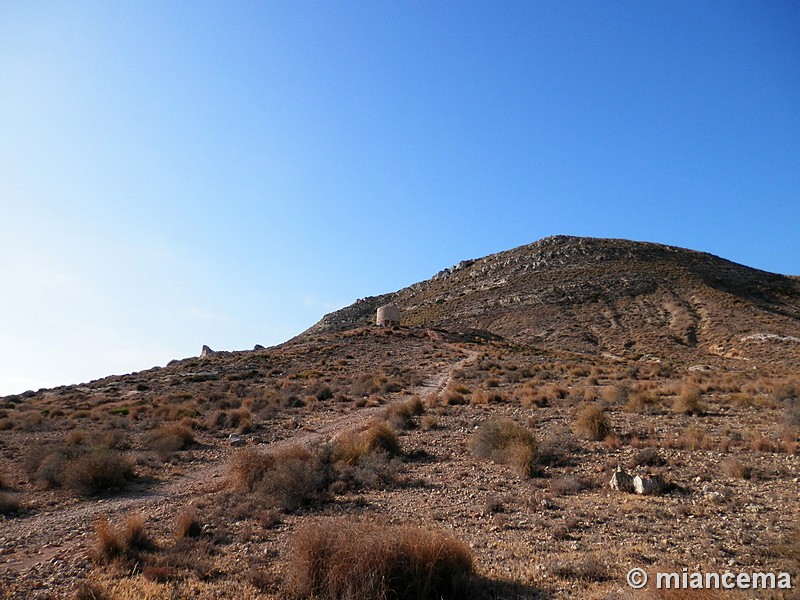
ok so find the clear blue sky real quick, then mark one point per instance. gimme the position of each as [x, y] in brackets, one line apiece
[182, 173]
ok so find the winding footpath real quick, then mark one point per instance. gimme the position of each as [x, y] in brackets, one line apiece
[52, 547]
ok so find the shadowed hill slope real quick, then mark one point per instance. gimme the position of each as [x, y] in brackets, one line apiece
[605, 295]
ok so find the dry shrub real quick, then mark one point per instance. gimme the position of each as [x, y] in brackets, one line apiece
[170, 438]
[238, 418]
[789, 546]
[569, 484]
[531, 396]
[508, 443]
[376, 470]
[216, 420]
[379, 437]
[642, 401]
[694, 438]
[454, 398]
[247, 467]
[188, 525]
[734, 468]
[485, 397]
[742, 400]
[9, 504]
[87, 470]
[688, 401]
[336, 559]
[559, 448]
[760, 443]
[428, 422]
[592, 423]
[586, 568]
[616, 394]
[98, 472]
[287, 479]
[87, 590]
[787, 391]
[653, 593]
[648, 457]
[791, 417]
[124, 542]
[401, 414]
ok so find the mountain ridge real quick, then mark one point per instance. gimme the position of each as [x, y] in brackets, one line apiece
[598, 294]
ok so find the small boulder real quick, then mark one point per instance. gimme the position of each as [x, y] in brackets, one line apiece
[236, 440]
[621, 481]
[206, 352]
[258, 347]
[648, 486]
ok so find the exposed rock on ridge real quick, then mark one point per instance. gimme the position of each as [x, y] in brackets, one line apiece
[593, 295]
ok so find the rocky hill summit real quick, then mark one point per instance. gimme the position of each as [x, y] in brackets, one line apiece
[592, 295]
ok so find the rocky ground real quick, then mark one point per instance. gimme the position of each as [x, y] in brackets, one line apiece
[722, 437]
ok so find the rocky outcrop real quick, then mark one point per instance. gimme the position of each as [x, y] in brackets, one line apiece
[640, 484]
[593, 295]
[621, 481]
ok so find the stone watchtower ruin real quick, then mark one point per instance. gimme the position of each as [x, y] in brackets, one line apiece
[388, 316]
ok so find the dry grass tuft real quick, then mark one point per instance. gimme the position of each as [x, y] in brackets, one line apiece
[170, 438]
[97, 472]
[86, 470]
[89, 591]
[9, 505]
[586, 568]
[452, 397]
[506, 442]
[379, 437]
[736, 469]
[285, 479]
[188, 525]
[124, 543]
[688, 401]
[400, 415]
[592, 423]
[361, 561]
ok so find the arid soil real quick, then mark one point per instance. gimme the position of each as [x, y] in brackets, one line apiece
[559, 532]
[495, 415]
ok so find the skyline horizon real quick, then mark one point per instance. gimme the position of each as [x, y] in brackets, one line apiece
[173, 175]
[323, 315]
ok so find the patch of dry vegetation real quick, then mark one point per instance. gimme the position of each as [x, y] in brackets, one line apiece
[286, 479]
[86, 470]
[334, 559]
[592, 423]
[506, 442]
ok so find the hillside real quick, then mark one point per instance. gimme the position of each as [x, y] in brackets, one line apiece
[603, 295]
[466, 454]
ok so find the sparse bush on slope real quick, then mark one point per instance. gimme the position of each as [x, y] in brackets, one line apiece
[592, 423]
[335, 559]
[506, 442]
[286, 479]
[86, 470]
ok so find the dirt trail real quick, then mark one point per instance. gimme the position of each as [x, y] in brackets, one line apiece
[59, 539]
